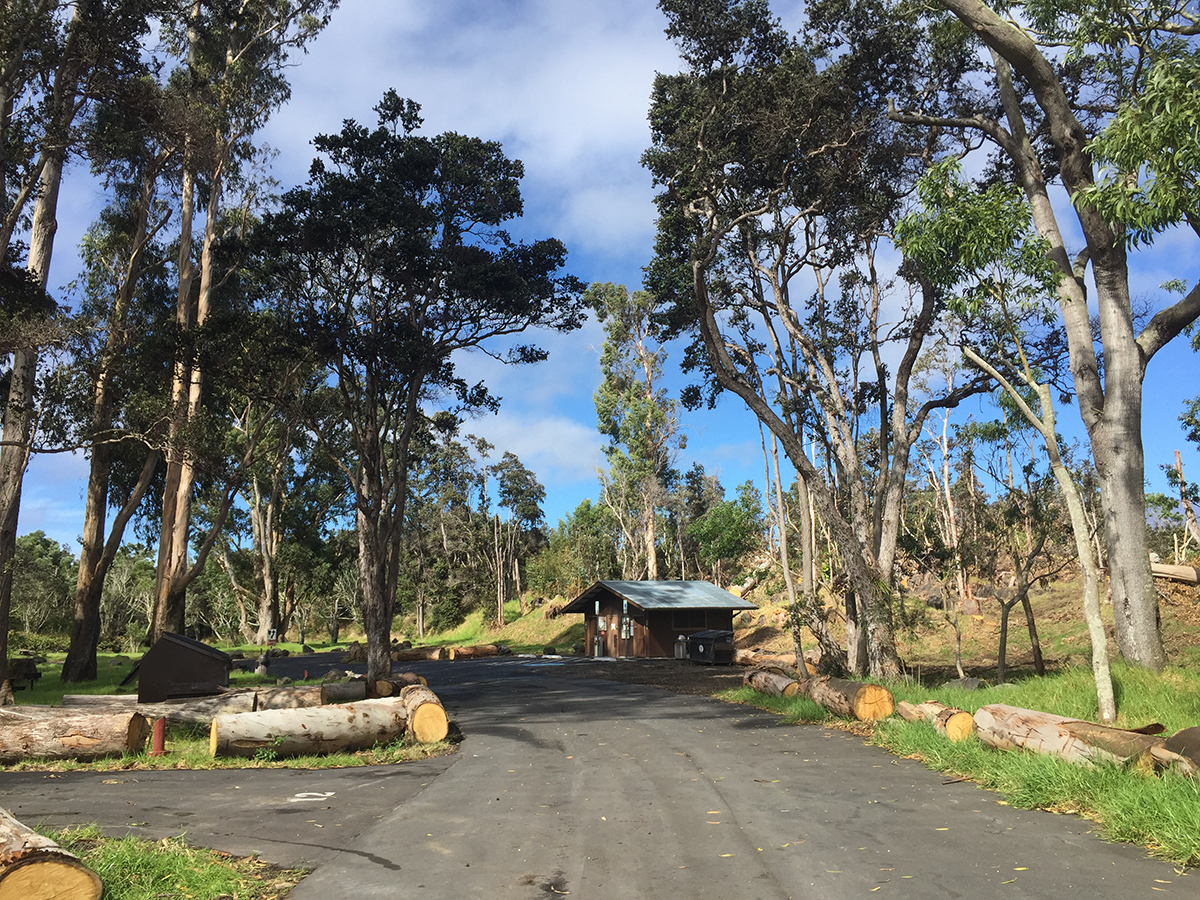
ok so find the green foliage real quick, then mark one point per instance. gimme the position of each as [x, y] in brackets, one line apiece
[1149, 154]
[43, 588]
[729, 530]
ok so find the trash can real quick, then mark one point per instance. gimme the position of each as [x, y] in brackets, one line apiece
[714, 647]
[681, 647]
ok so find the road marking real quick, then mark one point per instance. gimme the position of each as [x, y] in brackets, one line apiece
[309, 796]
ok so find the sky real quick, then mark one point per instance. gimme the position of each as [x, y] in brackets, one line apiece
[565, 86]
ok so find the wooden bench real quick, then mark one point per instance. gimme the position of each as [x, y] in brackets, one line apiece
[23, 669]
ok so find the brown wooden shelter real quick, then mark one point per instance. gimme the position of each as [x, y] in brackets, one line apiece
[645, 618]
[178, 666]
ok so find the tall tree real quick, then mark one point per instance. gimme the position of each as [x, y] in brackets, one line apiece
[231, 79]
[1113, 123]
[779, 181]
[633, 409]
[392, 261]
[55, 57]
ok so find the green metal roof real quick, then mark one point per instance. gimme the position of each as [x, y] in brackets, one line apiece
[661, 595]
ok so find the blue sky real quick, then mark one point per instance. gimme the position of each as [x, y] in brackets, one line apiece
[565, 85]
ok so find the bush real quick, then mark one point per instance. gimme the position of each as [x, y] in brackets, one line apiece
[38, 643]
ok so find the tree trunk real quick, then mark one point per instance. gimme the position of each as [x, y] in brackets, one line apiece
[194, 711]
[1009, 727]
[479, 651]
[33, 866]
[80, 736]
[1039, 664]
[415, 654]
[377, 605]
[308, 730]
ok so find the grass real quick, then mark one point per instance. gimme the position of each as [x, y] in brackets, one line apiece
[1160, 813]
[135, 869]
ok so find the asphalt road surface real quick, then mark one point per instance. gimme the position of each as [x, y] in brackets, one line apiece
[588, 788]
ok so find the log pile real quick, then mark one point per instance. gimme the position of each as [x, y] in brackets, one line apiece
[392, 686]
[850, 699]
[33, 866]
[949, 721]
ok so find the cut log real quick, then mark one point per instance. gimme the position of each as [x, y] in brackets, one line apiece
[70, 735]
[1185, 574]
[952, 723]
[480, 651]
[427, 720]
[392, 686]
[416, 654]
[318, 729]
[1009, 727]
[852, 699]
[33, 867]
[773, 683]
[190, 711]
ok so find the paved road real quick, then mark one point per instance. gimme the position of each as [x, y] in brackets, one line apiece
[599, 789]
[618, 791]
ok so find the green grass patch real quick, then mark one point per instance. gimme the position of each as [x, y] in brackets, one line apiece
[135, 869]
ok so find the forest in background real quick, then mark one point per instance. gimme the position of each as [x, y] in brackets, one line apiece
[264, 381]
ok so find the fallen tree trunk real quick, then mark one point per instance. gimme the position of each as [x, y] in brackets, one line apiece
[416, 654]
[758, 660]
[1185, 574]
[287, 697]
[773, 683]
[480, 651]
[1009, 727]
[70, 735]
[390, 687]
[952, 723]
[342, 692]
[853, 699]
[1185, 743]
[33, 867]
[427, 720]
[308, 730]
[192, 711]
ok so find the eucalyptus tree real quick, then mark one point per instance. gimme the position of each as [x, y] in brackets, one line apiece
[392, 261]
[1098, 100]
[979, 244]
[519, 492]
[56, 57]
[634, 411]
[779, 179]
[229, 76]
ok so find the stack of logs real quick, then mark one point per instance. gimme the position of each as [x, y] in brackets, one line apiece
[89, 727]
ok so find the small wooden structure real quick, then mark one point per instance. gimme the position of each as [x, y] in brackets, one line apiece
[177, 666]
[645, 618]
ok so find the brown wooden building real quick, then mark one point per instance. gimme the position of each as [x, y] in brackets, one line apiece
[645, 618]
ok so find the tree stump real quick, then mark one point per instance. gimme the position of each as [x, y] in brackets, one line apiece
[33, 867]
